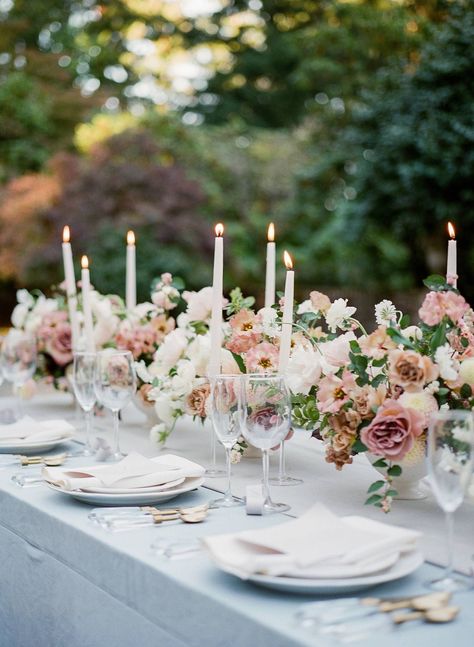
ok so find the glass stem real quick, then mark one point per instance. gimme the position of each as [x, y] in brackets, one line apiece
[450, 536]
[213, 451]
[116, 433]
[282, 467]
[265, 462]
[228, 493]
[88, 420]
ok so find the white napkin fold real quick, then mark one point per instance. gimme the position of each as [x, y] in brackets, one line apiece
[134, 471]
[317, 544]
[29, 430]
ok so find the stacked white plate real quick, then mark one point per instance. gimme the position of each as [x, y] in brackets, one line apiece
[319, 553]
[136, 480]
[28, 436]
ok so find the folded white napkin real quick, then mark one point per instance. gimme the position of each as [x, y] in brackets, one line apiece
[318, 544]
[133, 472]
[29, 430]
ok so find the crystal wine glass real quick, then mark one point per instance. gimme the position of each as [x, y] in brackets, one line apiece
[266, 421]
[226, 417]
[450, 461]
[282, 478]
[83, 385]
[115, 384]
[18, 360]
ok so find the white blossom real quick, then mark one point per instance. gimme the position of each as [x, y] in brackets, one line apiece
[385, 313]
[448, 367]
[304, 369]
[339, 314]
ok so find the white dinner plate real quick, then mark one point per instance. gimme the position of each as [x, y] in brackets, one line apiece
[171, 485]
[137, 498]
[408, 563]
[25, 447]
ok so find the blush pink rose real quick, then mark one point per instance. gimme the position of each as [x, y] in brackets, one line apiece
[392, 432]
[438, 304]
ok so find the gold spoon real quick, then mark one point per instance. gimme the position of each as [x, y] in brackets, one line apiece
[439, 615]
[419, 602]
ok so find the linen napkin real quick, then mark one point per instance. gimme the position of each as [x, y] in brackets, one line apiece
[133, 472]
[317, 544]
[29, 430]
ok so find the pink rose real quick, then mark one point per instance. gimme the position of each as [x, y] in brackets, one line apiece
[392, 432]
[410, 370]
[438, 304]
[59, 344]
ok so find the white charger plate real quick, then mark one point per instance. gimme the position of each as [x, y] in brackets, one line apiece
[408, 563]
[137, 498]
[25, 447]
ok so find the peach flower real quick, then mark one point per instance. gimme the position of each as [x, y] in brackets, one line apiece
[377, 344]
[410, 370]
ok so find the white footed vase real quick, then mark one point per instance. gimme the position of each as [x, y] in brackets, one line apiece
[414, 469]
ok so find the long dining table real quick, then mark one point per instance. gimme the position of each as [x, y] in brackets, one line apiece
[67, 582]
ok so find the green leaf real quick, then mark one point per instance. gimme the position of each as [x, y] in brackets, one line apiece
[378, 363]
[354, 345]
[381, 462]
[378, 380]
[398, 338]
[375, 486]
[391, 493]
[240, 362]
[464, 342]
[436, 282]
[374, 499]
[405, 321]
[358, 446]
[439, 338]
[395, 470]
[466, 391]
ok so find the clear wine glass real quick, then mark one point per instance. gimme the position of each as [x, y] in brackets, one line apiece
[226, 417]
[266, 422]
[115, 384]
[282, 478]
[18, 361]
[450, 461]
[83, 385]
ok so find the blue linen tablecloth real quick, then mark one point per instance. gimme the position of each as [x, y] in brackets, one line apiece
[65, 582]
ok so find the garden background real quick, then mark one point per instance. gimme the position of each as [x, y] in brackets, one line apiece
[349, 124]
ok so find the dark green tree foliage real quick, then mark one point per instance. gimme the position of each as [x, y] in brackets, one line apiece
[415, 152]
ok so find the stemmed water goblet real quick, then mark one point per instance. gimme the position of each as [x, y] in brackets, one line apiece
[18, 361]
[450, 462]
[114, 385]
[83, 385]
[282, 478]
[226, 417]
[266, 421]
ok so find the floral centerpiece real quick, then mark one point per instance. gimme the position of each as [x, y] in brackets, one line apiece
[376, 392]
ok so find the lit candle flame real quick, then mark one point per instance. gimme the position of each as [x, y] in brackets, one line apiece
[288, 260]
[66, 234]
[219, 229]
[271, 232]
[451, 230]
[130, 238]
[84, 262]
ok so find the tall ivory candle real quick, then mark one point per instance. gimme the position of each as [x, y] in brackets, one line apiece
[214, 366]
[71, 292]
[86, 305]
[287, 320]
[270, 268]
[131, 274]
[452, 267]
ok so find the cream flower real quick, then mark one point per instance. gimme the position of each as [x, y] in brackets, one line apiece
[466, 371]
[420, 401]
[304, 370]
[448, 367]
[339, 314]
[385, 313]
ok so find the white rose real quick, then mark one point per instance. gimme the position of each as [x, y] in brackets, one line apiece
[270, 326]
[44, 306]
[143, 311]
[25, 298]
[466, 371]
[172, 348]
[19, 315]
[166, 408]
[336, 352]
[199, 304]
[306, 306]
[304, 370]
[105, 329]
[157, 431]
[198, 352]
